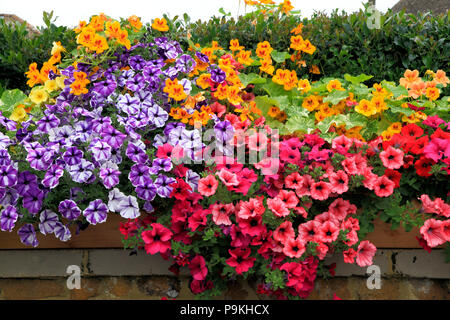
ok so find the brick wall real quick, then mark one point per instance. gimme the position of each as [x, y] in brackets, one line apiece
[114, 274]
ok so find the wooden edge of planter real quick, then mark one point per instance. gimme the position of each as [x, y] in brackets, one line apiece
[107, 235]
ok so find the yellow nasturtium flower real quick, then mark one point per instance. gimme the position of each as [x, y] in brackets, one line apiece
[432, 93]
[60, 82]
[19, 114]
[365, 107]
[303, 85]
[334, 85]
[310, 103]
[38, 95]
[51, 85]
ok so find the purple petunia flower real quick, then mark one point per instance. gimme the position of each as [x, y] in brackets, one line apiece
[25, 182]
[124, 77]
[8, 176]
[27, 235]
[5, 159]
[69, 209]
[217, 74]
[136, 154]
[101, 151]
[158, 116]
[192, 179]
[73, 156]
[96, 212]
[48, 221]
[99, 123]
[151, 72]
[136, 83]
[148, 207]
[62, 232]
[163, 187]
[8, 218]
[128, 104]
[202, 57]
[146, 191]
[52, 176]
[105, 88]
[128, 207]
[161, 164]
[114, 198]
[47, 122]
[110, 177]
[185, 63]
[139, 174]
[113, 137]
[10, 197]
[32, 200]
[224, 131]
[137, 62]
[82, 171]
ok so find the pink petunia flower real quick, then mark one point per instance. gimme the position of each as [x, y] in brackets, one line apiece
[365, 253]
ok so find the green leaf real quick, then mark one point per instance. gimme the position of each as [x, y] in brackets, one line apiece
[299, 123]
[280, 57]
[10, 99]
[356, 80]
[274, 89]
[397, 91]
[251, 78]
[336, 96]
[398, 109]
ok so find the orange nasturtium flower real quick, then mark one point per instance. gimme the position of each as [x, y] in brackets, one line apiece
[303, 85]
[310, 103]
[243, 57]
[298, 29]
[273, 111]
[135, 22]
[334, 85]
[123, 39]
[441, 78]
[234, 45]
[266, 66]
[409, 78]
[97, 23]
[281, 76]
[78, 88]
[112, 29]
[160, 25]
[287, 6]
[432, 93]
[221, 92]
[308, 47]
[233, 95]
[297, 43]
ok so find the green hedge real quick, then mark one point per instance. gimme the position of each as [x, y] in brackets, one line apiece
[18, 49]
[344, 42]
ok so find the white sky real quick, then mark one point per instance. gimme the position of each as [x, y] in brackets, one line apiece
[71, 12]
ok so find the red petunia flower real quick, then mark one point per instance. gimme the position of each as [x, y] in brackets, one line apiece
[240, 259]
[198, 268]
[157, 239]
[423, 166]
[393, 175]
[284, 232]
[181, 190]
[294, 248]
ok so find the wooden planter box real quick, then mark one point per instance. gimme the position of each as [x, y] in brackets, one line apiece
[107, 235]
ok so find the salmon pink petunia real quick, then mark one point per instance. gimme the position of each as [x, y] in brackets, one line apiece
[207, 186]
[432, 232]
[284, 232]
[339, 182]
[294, 248]
[365, 253]
[349, 255]
[392, 158]
[309, 231]
[383, 186]
[278, 207]
[221, 213]
[289, 198]
[320, 190]
[228, 178]
[328, 232]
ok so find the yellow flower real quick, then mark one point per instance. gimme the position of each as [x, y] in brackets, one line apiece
[86, 37]
[19, 114]
[160, 25]
[387, 135]
[432, 93]
[274, 111]
[287, 6]
[266, 66]
[51, 85]
[60, 82]
[379, 104]
[281, 76]
[334, 85]
[57, 47]
[366, 108]
[96, 23]
[303, 85]
[233, 95]
[396, 127]
[122, 38]
[38, 95]
[222, 92]
[291, 80]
